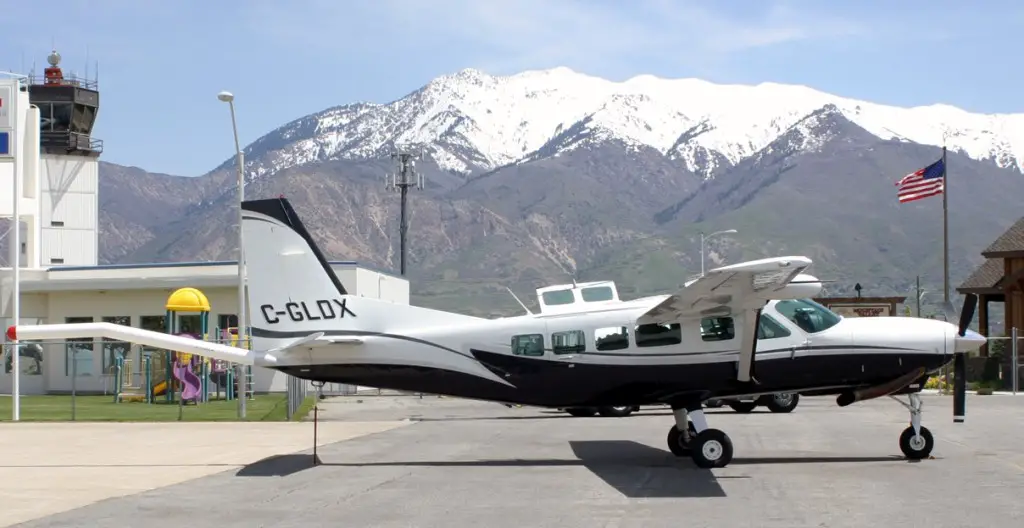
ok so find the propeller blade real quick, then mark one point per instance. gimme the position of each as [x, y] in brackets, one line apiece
[967, 314]
[959, 387]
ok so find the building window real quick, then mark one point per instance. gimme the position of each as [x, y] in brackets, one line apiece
[56, 223]
[56, 260]
[225, 321]
[717, 329]
[528, 345]
[656, 334]
[78, 352]
[115, 349]
[614, 338]
[191, 324]
[155, 323]
[569, 342]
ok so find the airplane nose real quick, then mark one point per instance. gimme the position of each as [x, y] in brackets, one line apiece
[969, 342]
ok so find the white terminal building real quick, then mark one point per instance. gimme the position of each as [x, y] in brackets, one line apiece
[46, 142]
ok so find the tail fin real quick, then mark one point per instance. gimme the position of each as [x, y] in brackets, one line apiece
[294, 292]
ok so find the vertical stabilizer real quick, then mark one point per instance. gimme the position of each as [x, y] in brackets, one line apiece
[294, 292]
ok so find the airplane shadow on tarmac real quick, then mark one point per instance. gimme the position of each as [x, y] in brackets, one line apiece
[634, 469]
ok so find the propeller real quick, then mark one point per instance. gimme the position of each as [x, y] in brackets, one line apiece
[964, 318]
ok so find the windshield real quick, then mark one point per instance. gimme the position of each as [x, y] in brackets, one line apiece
[810, 316]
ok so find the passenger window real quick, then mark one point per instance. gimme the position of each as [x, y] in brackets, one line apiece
[596, 293]
[553, 298]
[569, 342]
[528, 345]
[769, 328]
[717, 329]
[651, 335]
[614, 338]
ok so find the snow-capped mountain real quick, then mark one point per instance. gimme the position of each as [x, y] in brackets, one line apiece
[471, 121]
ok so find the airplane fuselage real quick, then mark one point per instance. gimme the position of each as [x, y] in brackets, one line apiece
[601, 357]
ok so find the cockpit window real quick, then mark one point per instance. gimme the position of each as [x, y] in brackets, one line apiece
[810, 316]
[769, 328]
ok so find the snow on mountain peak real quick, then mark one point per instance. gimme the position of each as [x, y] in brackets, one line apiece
[473, 120]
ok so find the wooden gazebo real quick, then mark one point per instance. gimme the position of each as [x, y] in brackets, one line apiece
[1000, 279]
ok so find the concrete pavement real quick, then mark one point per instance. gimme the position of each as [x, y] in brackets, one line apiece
[47, 468]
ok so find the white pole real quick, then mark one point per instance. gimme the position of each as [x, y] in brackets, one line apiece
[704, 239]
[702, 254]
[242, 382]
[16, 294]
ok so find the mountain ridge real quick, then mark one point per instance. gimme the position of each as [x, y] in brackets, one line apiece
[612, 186]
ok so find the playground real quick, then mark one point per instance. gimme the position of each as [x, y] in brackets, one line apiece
[151, 384]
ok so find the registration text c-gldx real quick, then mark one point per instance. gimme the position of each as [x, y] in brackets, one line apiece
[306, 311]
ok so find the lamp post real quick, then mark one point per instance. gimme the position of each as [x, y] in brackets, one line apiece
[704, 239]
[229, 98]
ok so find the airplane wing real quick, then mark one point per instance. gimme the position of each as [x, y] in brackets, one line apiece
[738, 288]
[730, 289]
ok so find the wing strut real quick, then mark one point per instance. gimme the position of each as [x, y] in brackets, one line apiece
[748, 348]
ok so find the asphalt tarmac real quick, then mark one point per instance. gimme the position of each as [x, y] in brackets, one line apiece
[475, 464]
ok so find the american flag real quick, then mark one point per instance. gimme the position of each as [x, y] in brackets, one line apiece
[929, 181]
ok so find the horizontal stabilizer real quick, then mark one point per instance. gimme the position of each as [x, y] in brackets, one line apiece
[138, 336]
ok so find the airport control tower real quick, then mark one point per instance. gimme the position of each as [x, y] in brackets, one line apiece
[57, 161]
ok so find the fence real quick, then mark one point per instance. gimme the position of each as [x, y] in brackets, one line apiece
[98, 379]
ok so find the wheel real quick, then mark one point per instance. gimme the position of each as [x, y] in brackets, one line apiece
[615, 412]
[916, 447]
[676, 444]
[713, 403]
[581, 412]
[783, 402]
[743, 406]
[711, 449]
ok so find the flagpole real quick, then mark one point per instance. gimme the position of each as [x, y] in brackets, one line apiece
[945, 227]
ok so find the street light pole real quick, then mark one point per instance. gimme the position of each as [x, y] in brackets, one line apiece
[229, 98]
[704, 239]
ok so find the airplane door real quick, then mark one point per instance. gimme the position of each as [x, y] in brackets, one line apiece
[776, 335]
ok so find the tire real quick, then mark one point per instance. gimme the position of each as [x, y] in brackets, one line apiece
[783, 402]
[916, 449]
[615, 412]
[581, 412]
[743, 406]
[711, 449]
[675, 440]
[713, 403]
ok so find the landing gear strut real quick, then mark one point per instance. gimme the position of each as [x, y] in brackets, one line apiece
[916, 441]
[709, 448]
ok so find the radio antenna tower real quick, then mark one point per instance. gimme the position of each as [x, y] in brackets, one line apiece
[405, 178]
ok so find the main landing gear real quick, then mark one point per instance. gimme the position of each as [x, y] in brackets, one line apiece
[916, 441]
[709, 448]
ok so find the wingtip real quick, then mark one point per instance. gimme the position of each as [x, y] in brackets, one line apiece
[12, 333]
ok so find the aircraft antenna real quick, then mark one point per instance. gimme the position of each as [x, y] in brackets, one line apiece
[514, 296]
[405, 178]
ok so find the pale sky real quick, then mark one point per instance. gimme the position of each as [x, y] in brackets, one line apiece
[162, 63]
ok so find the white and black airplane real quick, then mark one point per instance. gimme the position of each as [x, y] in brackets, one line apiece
[739, 330]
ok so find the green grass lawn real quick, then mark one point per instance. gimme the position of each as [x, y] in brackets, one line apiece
[264, 407]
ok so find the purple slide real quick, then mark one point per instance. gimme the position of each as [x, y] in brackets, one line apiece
[193, 385]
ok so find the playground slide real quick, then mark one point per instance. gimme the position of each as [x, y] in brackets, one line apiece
[193, 385]
[160, 388]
